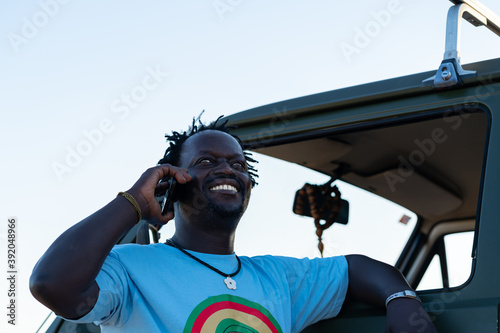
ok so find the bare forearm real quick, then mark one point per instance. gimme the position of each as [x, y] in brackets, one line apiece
[64, 276]
[372, 281]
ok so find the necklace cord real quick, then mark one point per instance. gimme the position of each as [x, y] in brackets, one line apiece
[173, 244]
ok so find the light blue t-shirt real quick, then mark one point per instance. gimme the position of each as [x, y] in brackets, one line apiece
[157, 288]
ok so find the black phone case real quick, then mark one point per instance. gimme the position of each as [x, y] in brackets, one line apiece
[167, 202]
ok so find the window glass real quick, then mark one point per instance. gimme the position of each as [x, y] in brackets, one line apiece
[432, 278]
[458, 254]
[458, 247]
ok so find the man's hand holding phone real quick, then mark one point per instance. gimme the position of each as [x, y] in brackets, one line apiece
[154, 183]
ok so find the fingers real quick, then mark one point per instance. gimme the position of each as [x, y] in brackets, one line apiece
[145, 189]
[156, 217]
[161, 188]
[181, 175]
[150, 179]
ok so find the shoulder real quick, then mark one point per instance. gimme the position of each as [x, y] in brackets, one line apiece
[136, 251]
[301, 264]
[137, 259]
[284, 259]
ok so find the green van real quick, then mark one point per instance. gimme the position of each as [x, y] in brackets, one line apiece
[409, 168]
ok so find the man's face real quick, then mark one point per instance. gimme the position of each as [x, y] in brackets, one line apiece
[220, 185]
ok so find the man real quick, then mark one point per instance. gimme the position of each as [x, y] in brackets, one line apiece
[195, 282]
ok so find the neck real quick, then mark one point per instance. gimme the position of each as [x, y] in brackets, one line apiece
[194, 239]
[207, 232]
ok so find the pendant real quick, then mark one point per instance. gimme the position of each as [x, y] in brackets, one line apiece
[230, 283]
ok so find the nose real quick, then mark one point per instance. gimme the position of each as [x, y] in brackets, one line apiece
[223, 167]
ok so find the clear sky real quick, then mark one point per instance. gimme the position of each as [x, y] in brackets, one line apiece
[109, 79]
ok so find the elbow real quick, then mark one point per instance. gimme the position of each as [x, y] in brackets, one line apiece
[37, 287]
[42, 289]
[62, 301]
[357, 259]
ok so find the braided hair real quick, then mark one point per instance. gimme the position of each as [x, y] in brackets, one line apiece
[177, 139]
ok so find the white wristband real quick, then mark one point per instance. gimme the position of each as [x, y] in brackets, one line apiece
[405, 293]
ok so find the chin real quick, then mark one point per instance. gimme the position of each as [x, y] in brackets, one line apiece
[220, 211]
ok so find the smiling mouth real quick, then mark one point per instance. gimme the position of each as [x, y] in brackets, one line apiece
[224, 187]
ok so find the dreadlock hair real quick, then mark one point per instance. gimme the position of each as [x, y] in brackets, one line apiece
[177, 139]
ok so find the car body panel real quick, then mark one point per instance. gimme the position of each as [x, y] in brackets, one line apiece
[470, 307]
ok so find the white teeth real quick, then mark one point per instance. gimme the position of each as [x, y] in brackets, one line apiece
[224, 188]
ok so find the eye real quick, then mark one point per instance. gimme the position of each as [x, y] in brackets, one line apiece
[204, 161]
[239, 165]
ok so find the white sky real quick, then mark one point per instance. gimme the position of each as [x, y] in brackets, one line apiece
[66, 68]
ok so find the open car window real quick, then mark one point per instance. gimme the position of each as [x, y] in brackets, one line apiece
[402, 180]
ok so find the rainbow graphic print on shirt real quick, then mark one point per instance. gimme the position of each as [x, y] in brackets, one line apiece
[230, 314]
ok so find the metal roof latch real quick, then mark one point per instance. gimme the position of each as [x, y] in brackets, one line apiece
[450, 71]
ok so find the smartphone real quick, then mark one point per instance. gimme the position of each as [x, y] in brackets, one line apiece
[168, 198]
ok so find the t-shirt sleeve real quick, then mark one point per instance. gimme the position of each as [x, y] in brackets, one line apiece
[318, 289]
[114, 293]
